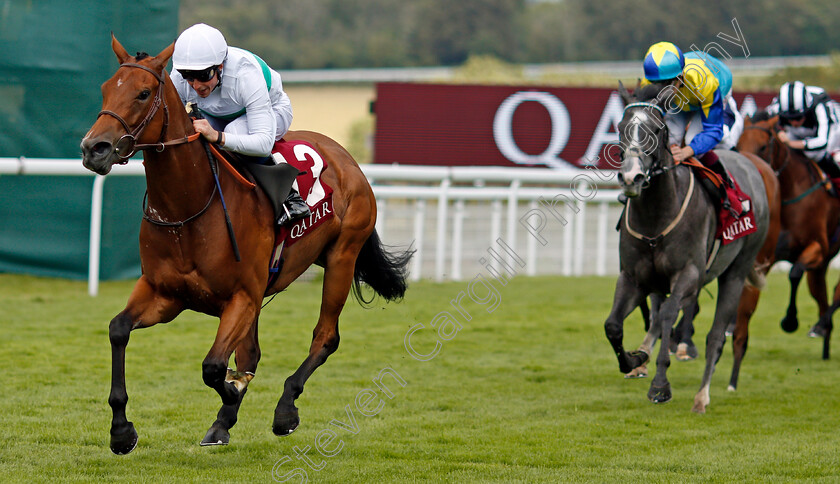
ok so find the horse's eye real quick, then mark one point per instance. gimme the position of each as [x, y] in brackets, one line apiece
[144, 95]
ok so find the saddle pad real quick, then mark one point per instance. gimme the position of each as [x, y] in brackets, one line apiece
[318, 196]
[731, 228]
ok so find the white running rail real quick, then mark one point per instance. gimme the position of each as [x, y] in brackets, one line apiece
[473, 207]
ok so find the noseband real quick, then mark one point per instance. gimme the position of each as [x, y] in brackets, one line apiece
[130, 139]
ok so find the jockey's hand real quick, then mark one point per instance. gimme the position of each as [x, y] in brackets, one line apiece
[797, 144]
[203, 127]
[681, 154]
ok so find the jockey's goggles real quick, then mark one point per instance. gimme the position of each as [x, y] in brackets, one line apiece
[203, 75]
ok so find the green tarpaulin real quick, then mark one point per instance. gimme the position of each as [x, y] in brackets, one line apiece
[54, 55]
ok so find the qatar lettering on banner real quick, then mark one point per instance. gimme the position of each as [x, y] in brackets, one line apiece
[464, 125]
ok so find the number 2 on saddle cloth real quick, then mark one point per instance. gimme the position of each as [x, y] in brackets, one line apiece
[318, 196]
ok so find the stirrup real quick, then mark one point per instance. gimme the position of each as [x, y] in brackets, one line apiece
[294, 209]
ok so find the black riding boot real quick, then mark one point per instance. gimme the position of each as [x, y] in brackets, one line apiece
[294, 209]
[830, 168]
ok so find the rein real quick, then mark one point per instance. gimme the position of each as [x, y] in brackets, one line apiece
[770, 144]
[821, 179]
[653, 241]
[131, 137]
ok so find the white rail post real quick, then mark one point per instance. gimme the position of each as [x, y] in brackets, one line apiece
[457, 239]
[495, 228]
[580, 231]
[513, 208]
[531, 270]
[442, 213]
[95, 234]
[419, 225]
[601, 244]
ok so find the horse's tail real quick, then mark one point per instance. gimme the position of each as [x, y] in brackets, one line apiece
[382, 268]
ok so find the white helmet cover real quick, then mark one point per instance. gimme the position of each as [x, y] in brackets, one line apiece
[199, 47]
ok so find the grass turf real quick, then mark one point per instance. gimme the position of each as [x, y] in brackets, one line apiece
[529, 392]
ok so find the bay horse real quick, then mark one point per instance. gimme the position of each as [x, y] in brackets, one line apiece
[186, 254]
[667, 242]
[810, 221]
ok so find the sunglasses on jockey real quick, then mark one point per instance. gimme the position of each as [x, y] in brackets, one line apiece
[203, 75]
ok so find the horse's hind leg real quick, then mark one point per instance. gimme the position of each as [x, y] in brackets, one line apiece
[740, 336]
[685, 348]
[247, 358]
[730, 287]
[338, 277]
[145, 308]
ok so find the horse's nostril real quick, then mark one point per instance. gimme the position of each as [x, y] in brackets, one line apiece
[638, 178]
[621, 179]
[102, 148]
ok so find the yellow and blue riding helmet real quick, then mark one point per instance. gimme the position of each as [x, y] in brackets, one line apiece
[663, 61]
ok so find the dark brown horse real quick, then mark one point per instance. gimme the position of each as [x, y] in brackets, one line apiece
[810, 220]
[187, 257]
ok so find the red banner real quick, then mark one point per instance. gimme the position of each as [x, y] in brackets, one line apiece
[457, 125]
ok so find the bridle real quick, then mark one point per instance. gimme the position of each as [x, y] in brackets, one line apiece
[130, 139]
[656, 168]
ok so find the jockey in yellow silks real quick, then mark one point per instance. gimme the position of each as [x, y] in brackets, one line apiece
[702, 112]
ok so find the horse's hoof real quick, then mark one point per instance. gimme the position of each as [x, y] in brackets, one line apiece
[730, 388]
[686, 352]
[634, 360]
[659, 394]
[285, 423]
[215, 436]
[124, 442]
[698, 408]
[640, 372]
[817, 331]
[790, 324]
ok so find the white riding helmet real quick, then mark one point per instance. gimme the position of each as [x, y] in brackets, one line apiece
[199, 47]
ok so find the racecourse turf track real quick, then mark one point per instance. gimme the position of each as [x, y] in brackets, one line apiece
[529, 392]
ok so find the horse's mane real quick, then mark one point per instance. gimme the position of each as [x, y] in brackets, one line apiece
[648, 92]
[762, 115]
[142, 55]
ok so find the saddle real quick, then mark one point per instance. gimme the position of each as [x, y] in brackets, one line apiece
[735, 215]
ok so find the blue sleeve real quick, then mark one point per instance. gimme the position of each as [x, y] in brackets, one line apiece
[712, 127]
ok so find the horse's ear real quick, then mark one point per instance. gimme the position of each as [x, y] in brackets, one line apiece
[625, 96]
[160, 60]
[122, 55]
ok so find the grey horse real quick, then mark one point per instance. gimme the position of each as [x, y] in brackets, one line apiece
[667, 245]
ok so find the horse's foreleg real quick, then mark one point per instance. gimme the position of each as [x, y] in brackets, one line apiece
[145, 308]
[247, 357]
[730, 287]
[790, 322]
[683, 296]
[236, 323]
[627, 297]
[338, 277]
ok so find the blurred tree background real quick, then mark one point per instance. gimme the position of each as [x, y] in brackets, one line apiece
[314, 34]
